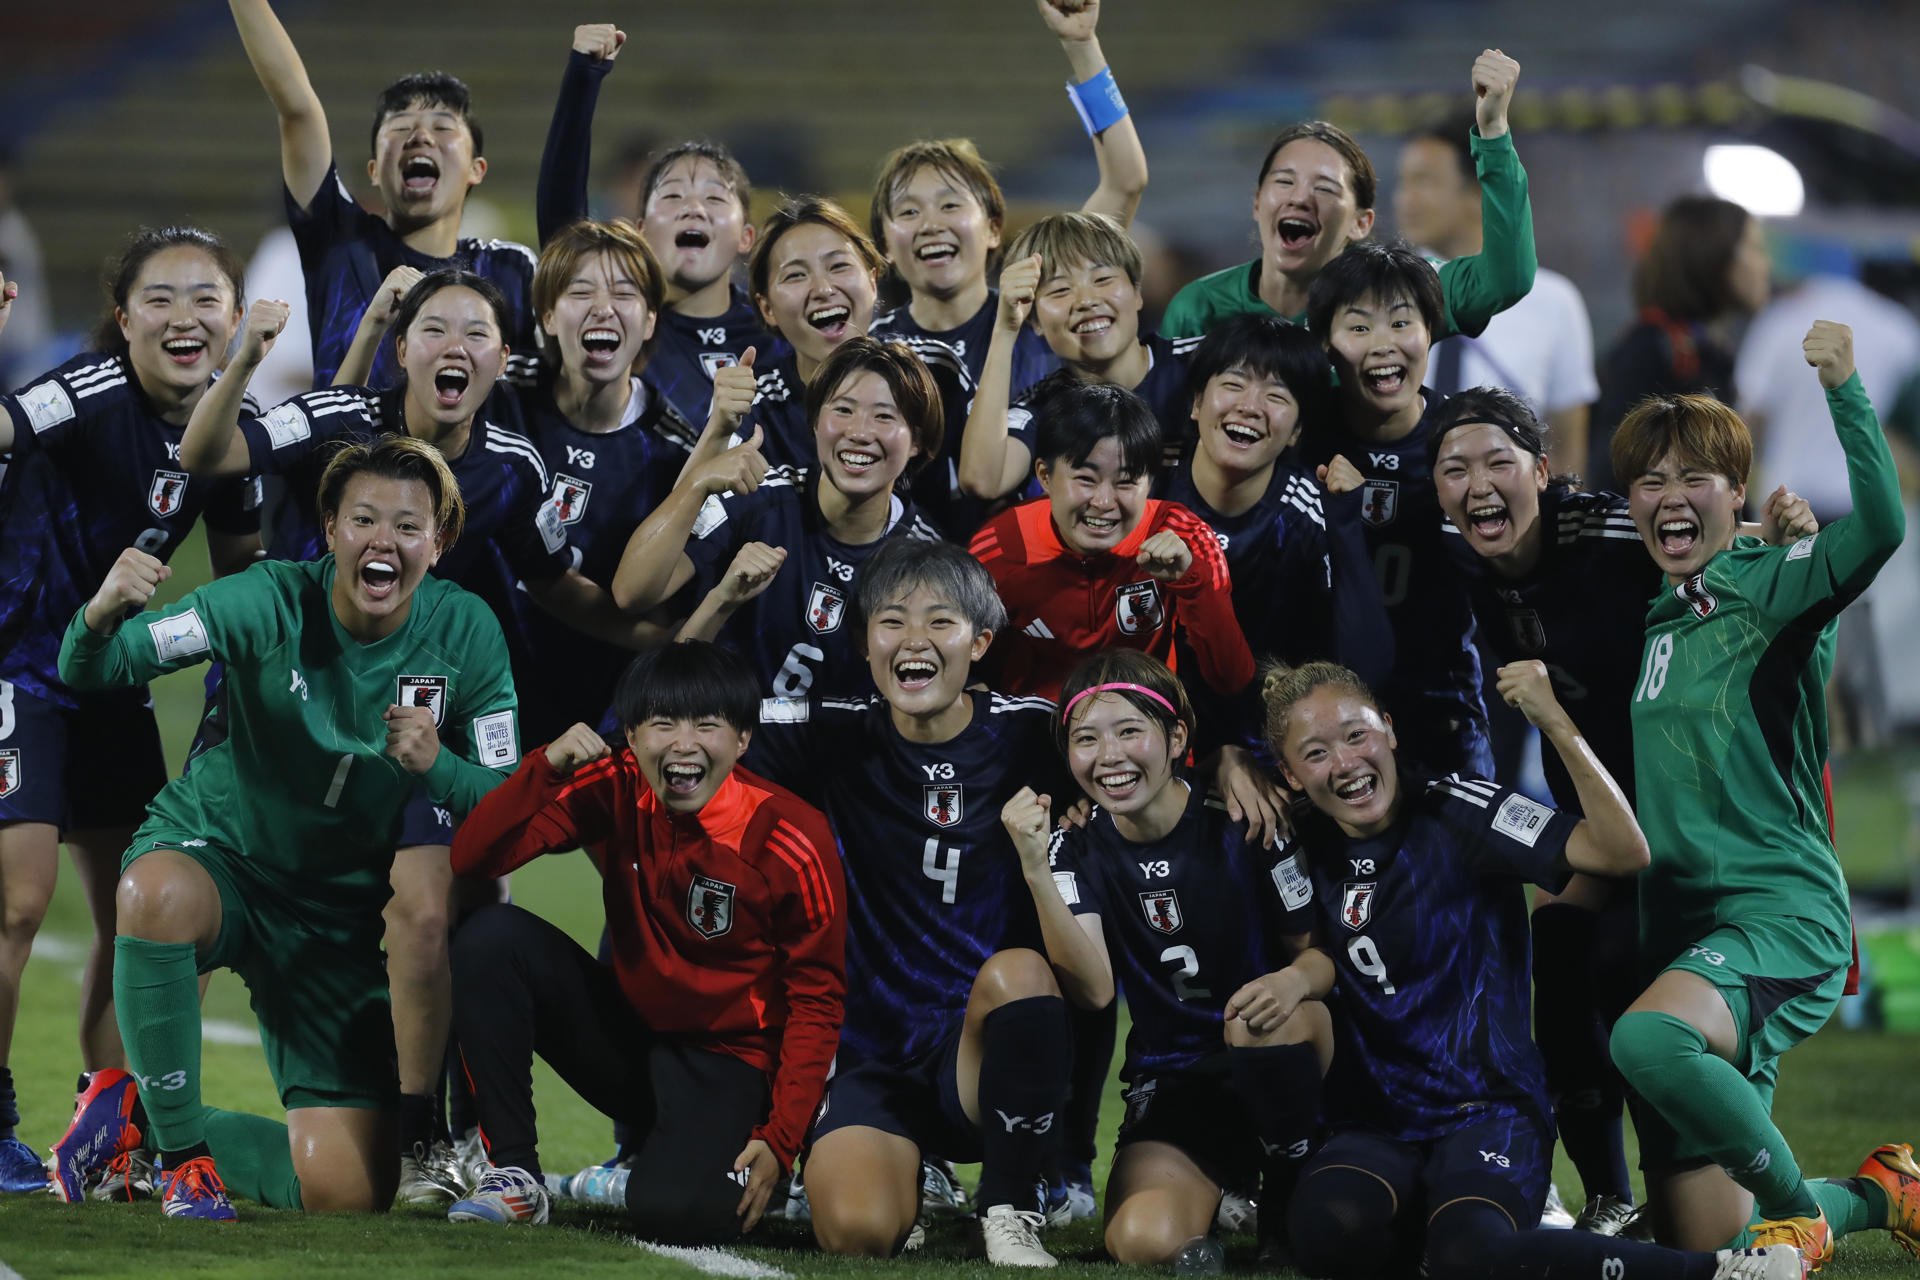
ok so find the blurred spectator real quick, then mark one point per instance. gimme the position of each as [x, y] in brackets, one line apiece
[1707, 266]
[274, 272]
[30, 329]
[619, 196]
[1541, 348]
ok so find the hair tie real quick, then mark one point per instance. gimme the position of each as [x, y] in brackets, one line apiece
[1067, 710]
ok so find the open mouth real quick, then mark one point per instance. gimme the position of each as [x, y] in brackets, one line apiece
[1385, 379]
[1100, 526]
[379, 578]
[448, 386]
[600, 342]
[691, 238]
[1241, 434]
[1119, 783]
[1677, 537]
[1296, 233]
[914, 674]
[831, 321]
[183, 351]
[683, 778]
[1357, 791]
[1093, 325]
[937, 252]
[1488, 522]
[419, 174]
[856, 460]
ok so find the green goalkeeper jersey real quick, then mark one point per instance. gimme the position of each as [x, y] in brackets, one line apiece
[1730, 715]
[302, 782]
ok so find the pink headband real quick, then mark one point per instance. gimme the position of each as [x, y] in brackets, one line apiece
[1067, 710]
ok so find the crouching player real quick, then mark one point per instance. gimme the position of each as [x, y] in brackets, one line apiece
[712, 1032]
[955, 1042]
[351, 680]
[1225, 1057]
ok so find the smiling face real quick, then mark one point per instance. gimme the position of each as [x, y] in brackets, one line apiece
[1121, 757]
[684, 761]
[1434, 202]
[861, 438]
[384, 539]
[695, 224]
[819, 291]
[423, 164]
[1088, 312]
[1306, 210]
[938, 236]
[1339, 752]
[600, 321]
[453, 353]
[1379, 349]
[1686, 514]
[1490, 488]
[1096, 504]
[1246, 419]
[180, 315]
[921, 650]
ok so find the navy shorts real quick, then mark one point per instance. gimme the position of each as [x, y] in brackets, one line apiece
[424, 822]
[80, 768]
[1503, 1155]
[1195, 1109]
[918, 1100]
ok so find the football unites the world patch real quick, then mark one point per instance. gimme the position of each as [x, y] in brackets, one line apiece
[179, 636]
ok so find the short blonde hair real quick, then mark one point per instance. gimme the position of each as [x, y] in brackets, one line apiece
[395, 457]
[955, 158]
[1698, 430]
[1283, 688]
[1068, 240]
[621, 241]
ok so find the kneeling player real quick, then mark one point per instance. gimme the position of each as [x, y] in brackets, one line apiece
[1441, 1139]
[712, 1031]
[955, 1043]
[1225, 1055]
[272, 856]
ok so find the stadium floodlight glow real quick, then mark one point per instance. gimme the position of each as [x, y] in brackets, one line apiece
[1759, 179]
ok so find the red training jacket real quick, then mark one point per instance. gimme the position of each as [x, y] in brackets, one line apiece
[1062, 606]
[728, 925]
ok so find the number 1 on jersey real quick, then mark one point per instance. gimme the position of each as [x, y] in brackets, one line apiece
[339, 782]
[946, 874]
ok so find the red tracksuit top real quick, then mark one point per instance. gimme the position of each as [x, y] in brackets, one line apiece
[728, 925]
[1062, 606]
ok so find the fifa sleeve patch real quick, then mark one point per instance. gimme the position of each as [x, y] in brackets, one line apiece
[1296, 889]
[47, 405]
[1020, 423]
[1522, 819]
[286, 424]
[179, 636]
[493, 740]
[1069, 886]
[552, 527]
[713, 514]
[1801, 549]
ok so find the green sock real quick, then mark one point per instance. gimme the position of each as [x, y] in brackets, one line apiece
[253, 1157]
[1712, 1108]
[1851, 1204]
[156, 997]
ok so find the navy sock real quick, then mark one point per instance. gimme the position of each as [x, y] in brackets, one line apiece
[1280, 1087]
[1025, 1061]
[9, 1106]
[1588, 1094]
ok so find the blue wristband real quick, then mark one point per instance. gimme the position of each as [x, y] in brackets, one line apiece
[1099, 102]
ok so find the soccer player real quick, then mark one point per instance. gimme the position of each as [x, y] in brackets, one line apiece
[427, 155]
[955, 1040]
[91, 470]
[939, 214]
[351, 680]
[1376, 308]
[451, 352]
[1743, 917]
[875, 414]
[1166, 896]
[1096, 562]
[1440, 1146]
[713, 1029]
[1314, 198]
[693, 212]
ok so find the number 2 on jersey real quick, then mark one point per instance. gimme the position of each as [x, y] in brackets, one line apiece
[1184, 987]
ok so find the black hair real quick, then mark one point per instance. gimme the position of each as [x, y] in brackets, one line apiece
[714, 153]
[143, 244]
[1380, 271]
[450, 278]
[1166, 706]
[426, 89]
[1455, 131]
[946, 569]
[1496, 407]
[1268, 347]
[688, 681]
[1075, 415]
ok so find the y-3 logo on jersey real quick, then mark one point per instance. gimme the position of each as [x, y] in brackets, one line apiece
[1361, 866]
[299, 684]
[1159, 867]
[1385, 461]
[582, 458]
[938, 772]
[840, 569]
[713, 337]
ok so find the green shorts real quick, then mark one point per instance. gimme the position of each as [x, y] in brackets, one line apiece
[1781, 978]
[314, 973]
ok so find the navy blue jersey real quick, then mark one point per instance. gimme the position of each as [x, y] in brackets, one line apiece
[1583, 612]
[1166, 391]
[798, 634]
[933, 883]
[1189, 919]
[781, 412]
[687, 350]
[1428, 931]
[345, 252]
[603, 486]
[502, 478]
[1434, 694]
[93, 471]
[1033, 359]
[1303, 587]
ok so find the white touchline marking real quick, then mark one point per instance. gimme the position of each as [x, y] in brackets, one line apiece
[8, 1273]
[715, 1262]
[217, 1031]
[47, 946]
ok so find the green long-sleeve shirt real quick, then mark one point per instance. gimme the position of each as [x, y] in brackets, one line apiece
[1477, 287]
[301, 780]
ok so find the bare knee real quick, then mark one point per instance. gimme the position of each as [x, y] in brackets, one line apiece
[1019, 973]
[862, 1229]
[1136, 1239]
[24, 911]
[166, 897]
[417, 920]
